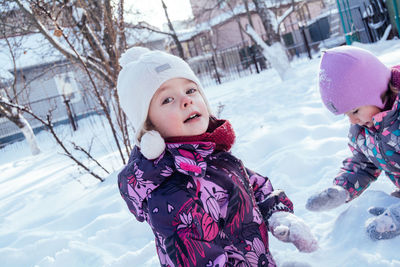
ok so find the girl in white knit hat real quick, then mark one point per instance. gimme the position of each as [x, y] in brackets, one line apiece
[204, 207]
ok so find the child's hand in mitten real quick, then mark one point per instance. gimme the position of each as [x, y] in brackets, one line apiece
[386, 224]
[330, 198]
[287, 227]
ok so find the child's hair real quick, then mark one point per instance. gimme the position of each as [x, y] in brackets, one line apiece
[143, 72]
[389, 96]
[351, 77]
[147, 127]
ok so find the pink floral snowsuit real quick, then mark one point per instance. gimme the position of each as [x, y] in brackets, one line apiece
[204, 207]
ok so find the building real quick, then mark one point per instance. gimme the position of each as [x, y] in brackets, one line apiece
[220, 27]
[45, 82]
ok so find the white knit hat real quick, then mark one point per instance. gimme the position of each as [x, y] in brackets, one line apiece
[143, 72]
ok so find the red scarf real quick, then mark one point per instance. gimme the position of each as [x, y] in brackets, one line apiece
[219, 132]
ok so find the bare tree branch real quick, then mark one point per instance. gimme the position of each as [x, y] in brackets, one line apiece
[50, 127]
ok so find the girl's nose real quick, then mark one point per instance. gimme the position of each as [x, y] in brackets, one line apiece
[186, 101]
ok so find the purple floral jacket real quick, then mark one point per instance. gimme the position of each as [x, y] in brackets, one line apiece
[204, 207]
[374, 151]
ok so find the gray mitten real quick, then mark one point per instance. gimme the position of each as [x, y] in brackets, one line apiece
[330, 198]
[386, 224]
[287, 227]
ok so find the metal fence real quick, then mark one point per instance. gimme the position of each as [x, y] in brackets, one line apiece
[228, 64]
[244, 59]
[61, 110]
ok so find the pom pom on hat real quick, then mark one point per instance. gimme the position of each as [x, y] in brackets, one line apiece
[152, 145]
[132, 54]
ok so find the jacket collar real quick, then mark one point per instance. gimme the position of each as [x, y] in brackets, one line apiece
[189, 157]
[382, 119]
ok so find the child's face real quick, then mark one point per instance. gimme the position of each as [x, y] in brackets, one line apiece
[178, 109]
[363, 115]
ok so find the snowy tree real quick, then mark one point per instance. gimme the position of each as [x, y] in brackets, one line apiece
[274, 51]
[8, 94]
[171, 30]
[90, 34]
[7, 82]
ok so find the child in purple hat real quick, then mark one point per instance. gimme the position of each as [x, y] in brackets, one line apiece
[352, 81]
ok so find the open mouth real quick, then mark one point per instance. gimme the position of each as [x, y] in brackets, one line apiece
[191, 117]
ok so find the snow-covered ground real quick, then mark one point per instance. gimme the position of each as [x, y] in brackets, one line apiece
[54, 215]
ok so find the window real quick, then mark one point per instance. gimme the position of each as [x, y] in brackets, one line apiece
[205, 44]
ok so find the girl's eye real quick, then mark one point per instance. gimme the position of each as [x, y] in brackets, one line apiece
[355, 111]
[167, 100]
[191, 91]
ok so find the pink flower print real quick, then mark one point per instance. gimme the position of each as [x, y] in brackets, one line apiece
[132, 180]
[206, 149]
[221, 197]
[138, 173]
[209, 227]
[236, 256]
[173, 145]
[222, 235]
[257, 218]
[186, 220]
[187, 154]
[257, 256]
[219, 261]
[182, 161]
[166, 172]
[267, 187]
[190, 167]
[213, 208]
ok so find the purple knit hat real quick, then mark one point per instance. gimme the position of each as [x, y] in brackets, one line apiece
[350, 77]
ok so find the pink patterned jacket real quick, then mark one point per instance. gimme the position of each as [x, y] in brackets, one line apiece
[374, 149]
[204, 207]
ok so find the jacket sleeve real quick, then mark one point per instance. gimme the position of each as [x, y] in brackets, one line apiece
[185, 233]
[268, 199]
[139, 177]
[358, 171]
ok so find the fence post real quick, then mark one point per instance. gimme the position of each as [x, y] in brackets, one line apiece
[216, 71]
[253, 56]
[303, 33]
[69, 113]
[396, 16]
[348, 41]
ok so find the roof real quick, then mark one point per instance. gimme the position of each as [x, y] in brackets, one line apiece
[29, 50]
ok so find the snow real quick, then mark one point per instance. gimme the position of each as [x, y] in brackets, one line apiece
[52, 214]
[5, 76]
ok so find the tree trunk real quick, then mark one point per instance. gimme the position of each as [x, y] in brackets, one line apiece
[275, 53]
[267, 18]
[23, 125]
[173, 33]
